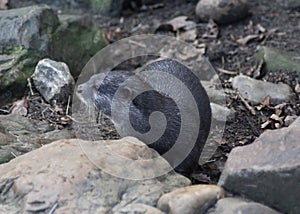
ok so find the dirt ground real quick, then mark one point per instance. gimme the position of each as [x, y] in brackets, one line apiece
[281, 30]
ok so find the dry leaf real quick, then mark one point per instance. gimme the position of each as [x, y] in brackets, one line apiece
[181, 22]
[20, 107]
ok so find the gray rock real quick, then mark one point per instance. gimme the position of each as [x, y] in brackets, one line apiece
[60, 177]
[28, 27]
[25, 28]
[241, 206]
[267, 171]
[215, 95]
[222, 11]
[296, 123]
[57, 4]
[220, 113]
[107, 7]
[292, 4]
[19, 135]
[139, 209]
[191, 199]
[53, 80]
[256, 90]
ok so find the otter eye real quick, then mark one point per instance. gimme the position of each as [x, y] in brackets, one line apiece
[127, 92]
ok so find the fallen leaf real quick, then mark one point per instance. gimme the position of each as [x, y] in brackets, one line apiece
[181, 22]
[20, 107]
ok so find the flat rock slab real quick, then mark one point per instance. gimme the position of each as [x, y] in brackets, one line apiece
[237, 205]
[267, 171]
[256, 90]
[60, 178]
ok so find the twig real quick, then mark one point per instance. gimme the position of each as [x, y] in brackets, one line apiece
[30, 86]
[53, 208]
[5, 111]
[68, 105]
[13, 154]
[227, 72]
[250, 108]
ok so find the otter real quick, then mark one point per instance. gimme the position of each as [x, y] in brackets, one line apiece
[100, 90]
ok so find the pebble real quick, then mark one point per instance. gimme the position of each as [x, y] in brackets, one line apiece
[191, 199]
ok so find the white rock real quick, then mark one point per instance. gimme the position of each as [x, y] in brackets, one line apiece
[53, 80]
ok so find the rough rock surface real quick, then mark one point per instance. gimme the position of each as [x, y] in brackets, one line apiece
[60, 177]
[19, 135]
[53, 80]
[237, 205]
[28, 27]
[277, 60]
[222, 11]
[267, 171]
[35, 32]
[256, 90]
[75, 41]
[296, 123]
[191, 199]
[26, 38]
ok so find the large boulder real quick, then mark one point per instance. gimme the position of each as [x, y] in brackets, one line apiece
[60, 177]
[267, 171]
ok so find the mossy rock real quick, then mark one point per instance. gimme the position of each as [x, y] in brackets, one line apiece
[107, 7]
[75, 41]
[276, 60]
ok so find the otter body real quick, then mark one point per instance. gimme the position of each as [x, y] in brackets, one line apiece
[101, 89]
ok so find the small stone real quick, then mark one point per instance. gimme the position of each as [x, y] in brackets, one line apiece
[238, 205]
[267, 171]
[256, 90]
[53, 80]
[222, 11]
[220, 113]
[191, 199]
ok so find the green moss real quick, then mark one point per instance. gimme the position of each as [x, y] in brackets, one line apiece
[277, 60]
[107, 7]
[76, 41]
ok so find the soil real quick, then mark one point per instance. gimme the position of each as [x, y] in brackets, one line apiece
[277, 26]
